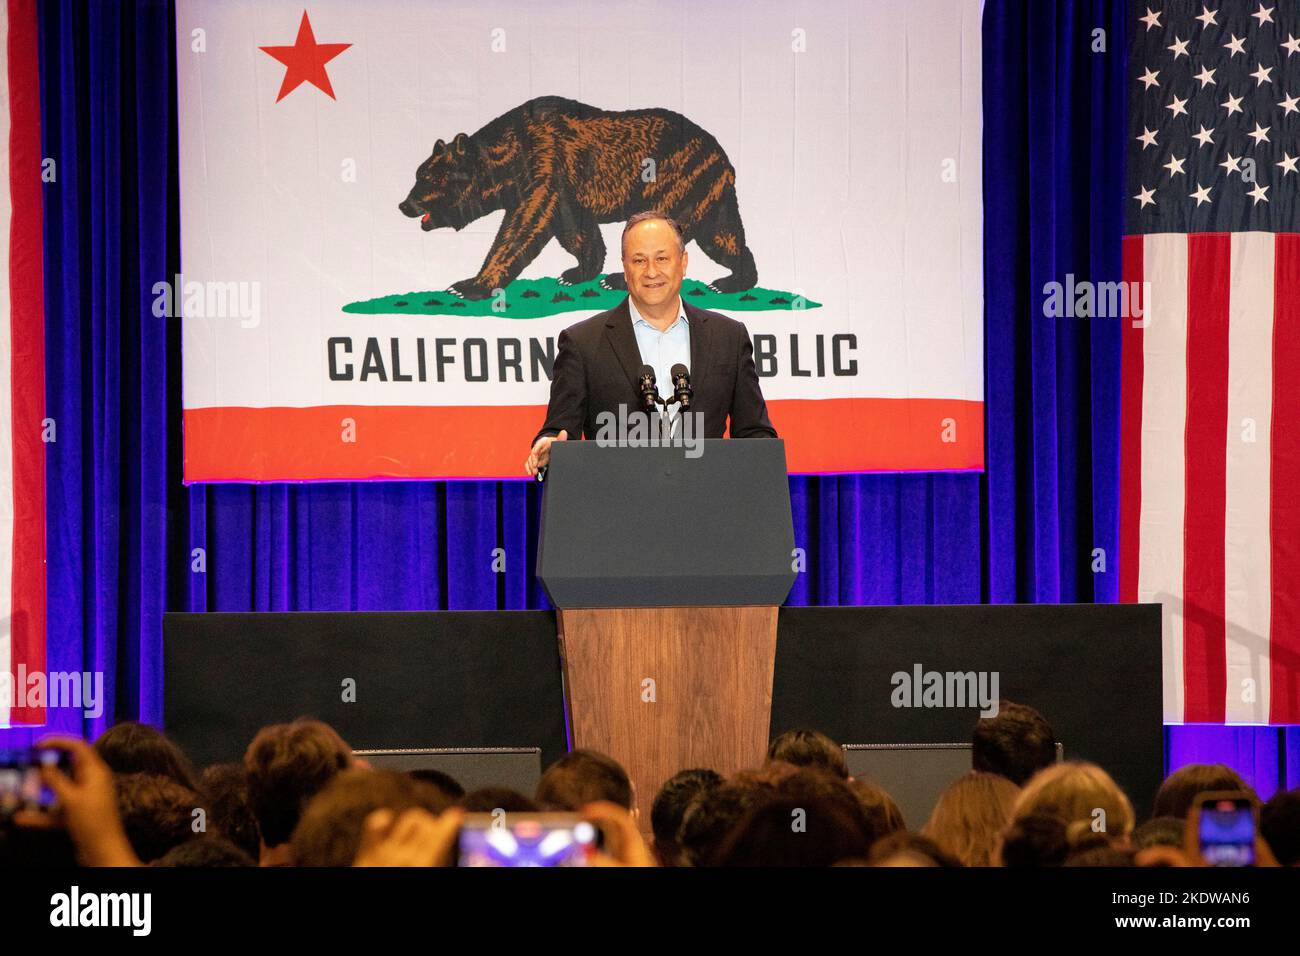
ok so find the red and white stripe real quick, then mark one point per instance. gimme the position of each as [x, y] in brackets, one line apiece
[1210, 469]
[22, 360]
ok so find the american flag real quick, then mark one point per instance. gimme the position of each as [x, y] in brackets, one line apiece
[22, 370]
[1210, 434]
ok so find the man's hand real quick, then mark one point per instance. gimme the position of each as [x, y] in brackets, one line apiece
[414, 837]
[623, 844]
[540, 456]
[87, 806]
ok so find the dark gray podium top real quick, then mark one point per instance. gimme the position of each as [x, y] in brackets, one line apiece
[649, 527]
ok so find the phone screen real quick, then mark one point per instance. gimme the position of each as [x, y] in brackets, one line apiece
[20, 779]
[526, 840]
[1227, 832]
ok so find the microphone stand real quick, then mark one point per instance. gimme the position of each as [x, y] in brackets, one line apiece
[666, 423]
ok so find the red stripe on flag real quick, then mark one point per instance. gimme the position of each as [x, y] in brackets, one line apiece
[457, 441]
[1205, 666]
[1284, 505]
[1130, 430]
[27, 350]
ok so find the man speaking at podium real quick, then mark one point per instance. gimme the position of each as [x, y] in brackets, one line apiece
[598, 366]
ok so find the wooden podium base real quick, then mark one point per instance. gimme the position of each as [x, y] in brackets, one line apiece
[665, 689]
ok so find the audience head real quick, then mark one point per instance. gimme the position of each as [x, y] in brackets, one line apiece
[1160, 831]
[300, 797]
[908, 849]
[1279, 825]
[797, 794]
[971, 815]
[1181, 788]
[709, 820]
[1082, 795]
[206, 851]
[670, 805]
[789, 831]
[157, 813]
[581, 777]
[1016, 743]
[225, 790]
[131, 747]
[329, 832]
[809, 748]
[1034, 840]
[444, 782]
[1100, 852]
[488, 799]
[778, 779]
[878, 809]
[287, 765]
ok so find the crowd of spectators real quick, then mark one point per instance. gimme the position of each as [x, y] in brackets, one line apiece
[300, 797]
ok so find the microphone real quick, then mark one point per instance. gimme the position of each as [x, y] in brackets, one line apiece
[682, 391]
[649, 391]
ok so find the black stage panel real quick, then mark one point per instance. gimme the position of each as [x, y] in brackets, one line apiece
[492, 678]
[1093, 670]
[423, 679]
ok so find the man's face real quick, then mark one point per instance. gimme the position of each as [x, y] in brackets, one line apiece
[653, 263]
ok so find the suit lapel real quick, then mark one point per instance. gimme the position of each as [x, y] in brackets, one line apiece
[698, 321]
[618, 330]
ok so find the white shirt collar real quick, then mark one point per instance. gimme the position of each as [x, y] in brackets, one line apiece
[638, 317]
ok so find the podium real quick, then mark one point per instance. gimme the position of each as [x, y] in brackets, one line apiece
[667, 571]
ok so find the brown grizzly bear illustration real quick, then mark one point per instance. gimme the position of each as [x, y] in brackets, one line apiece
[559, 168]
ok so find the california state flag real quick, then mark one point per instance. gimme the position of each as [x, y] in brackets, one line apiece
[391, 209]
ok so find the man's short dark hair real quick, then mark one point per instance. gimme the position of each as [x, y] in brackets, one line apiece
[157, 813]
[487, 799]
[809, 748]
[131, 747]
[581, 777]
[1017, 743]
[1279, 825]
[670, 806]
[287, 765]
[1181, 788]
[440, 780]
[647, 216]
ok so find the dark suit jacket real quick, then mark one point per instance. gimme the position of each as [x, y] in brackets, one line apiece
[596, 368]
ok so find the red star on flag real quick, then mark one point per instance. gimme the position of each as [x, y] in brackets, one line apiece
[305, 60]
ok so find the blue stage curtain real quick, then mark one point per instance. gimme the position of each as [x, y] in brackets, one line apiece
[127, 540]
[112, 370]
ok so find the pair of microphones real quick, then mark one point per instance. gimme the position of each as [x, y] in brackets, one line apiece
[650, 400]
[682, 391]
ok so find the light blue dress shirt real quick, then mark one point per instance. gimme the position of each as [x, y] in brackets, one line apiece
[662, 350]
